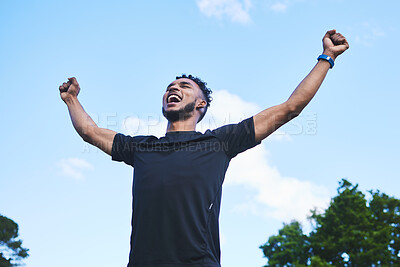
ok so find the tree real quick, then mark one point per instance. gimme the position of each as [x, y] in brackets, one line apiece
[386, 218]
[11, 250]
[342, 234]
[287, 248]
[350, 232]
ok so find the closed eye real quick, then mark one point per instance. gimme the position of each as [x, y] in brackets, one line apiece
[185, 85]
[181, 84]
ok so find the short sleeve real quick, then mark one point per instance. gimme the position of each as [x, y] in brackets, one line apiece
[123, 148]
[237, 138]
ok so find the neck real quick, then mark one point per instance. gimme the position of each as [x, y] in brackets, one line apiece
[186, 125]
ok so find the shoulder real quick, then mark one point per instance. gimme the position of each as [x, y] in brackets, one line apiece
[246, 125]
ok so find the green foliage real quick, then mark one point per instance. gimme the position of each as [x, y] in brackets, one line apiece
[343, 228]
[11, 250]
[290, 246]
[318, 262]
[386, 228]
[350, 232]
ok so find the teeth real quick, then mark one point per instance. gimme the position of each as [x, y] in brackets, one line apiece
[173, 96]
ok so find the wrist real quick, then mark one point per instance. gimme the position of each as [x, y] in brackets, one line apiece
[330, 54]
[70, 100]
[327, 59]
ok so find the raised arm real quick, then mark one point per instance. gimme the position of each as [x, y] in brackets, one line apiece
[270, 119]
[83, 123]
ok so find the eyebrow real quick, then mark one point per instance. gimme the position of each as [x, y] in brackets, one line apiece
[180, 84]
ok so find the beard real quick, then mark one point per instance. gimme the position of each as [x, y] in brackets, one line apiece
[181, 114]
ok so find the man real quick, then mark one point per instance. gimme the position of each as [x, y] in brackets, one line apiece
[178, 178]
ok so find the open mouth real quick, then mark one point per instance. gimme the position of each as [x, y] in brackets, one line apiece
[174, 99]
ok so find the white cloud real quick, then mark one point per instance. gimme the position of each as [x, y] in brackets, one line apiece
[279, 135]
[279, 7]
[272, 194]
[74, 167]
[236, 10]
[227, 108]
[150, 124]
[222, 239]
[283, 198]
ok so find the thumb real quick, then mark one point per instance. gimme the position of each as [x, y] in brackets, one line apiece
[342, 47]
[328, 34]
[73, 81]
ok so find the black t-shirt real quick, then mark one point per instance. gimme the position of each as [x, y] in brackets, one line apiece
[177, 192]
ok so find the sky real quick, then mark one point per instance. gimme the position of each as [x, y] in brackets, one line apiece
[73, 204]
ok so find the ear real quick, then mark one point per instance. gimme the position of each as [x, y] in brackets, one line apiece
[201, 104]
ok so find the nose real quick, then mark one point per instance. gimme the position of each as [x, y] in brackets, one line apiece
[172, 89]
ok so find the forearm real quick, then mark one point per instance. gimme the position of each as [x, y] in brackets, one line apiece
[81, 121]
[308, 87]
[270, 119]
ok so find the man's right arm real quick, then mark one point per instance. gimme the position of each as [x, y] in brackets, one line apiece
[83, 123]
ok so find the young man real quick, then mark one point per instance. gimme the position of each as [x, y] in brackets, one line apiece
[178, 177]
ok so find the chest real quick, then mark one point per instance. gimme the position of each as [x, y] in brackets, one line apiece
[185, 167]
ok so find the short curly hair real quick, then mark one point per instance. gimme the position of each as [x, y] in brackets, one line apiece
[203, 86]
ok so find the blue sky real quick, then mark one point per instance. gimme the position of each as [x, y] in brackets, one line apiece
[73, 204]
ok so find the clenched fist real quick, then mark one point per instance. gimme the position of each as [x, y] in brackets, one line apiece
[69, 89]
[334, 44]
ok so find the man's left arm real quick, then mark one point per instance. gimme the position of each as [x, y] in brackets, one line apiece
[270, 119]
